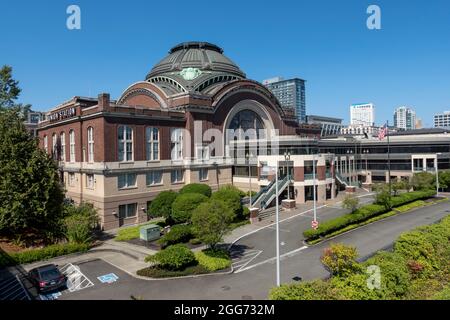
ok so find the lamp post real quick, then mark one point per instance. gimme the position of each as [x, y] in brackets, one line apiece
[248, 155]
[314, 187]
[287, 157]
[437, 174]
[366, 153]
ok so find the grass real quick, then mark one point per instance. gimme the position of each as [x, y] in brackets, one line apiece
[393, 212]
[130, 233]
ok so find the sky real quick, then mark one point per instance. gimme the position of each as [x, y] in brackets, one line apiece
[327, 43]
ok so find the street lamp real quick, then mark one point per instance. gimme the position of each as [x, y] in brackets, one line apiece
[349, 166]
[247, 156]
[287, 157]
[366, 152]
[437, 174]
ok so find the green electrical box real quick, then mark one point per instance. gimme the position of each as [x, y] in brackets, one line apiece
[149, 232]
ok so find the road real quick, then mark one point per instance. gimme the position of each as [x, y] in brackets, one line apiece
[259, 275]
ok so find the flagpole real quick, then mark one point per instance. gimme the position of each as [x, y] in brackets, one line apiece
[389, 157]
[278, 227]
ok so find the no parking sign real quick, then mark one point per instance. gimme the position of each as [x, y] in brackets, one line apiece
[315, 224]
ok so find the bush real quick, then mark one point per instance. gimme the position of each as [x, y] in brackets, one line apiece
[175, 257]
[184, 205]
[353, 287]
[157, 272]
[211, 221]
[231, 197]
[213, 260]
[350, 202]
[45, 253]
[201, 188]
[80, 223]
[423, 181]
[312, 290]
[362, 214]
[161, 206]
[340, 260]
[178, 234]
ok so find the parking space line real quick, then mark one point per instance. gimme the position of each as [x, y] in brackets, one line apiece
[76, 280]
[246, 259]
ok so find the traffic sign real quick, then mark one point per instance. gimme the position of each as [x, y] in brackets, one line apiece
[315, 224]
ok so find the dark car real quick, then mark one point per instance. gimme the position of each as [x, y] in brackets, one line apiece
[47, 278]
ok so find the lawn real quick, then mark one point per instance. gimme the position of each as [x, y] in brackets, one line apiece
[130, 233]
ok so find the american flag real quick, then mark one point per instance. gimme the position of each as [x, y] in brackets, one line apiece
[383, 132]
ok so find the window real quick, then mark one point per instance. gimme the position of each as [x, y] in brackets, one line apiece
[72, 146]
[63, 146]
[90, 181]
[90, 144]
[176, 138]
[177, 176]
[55, 146]
[71, 179]
[127, 210]
[154, 177]
[127, 180]
[203, 174]
[46, 143]
[202, 152]
[125, 137]
[152, 138]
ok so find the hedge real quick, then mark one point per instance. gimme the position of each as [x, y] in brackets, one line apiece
[364, 213]
[179, 233]
[201, 188]
[157, 272]
[45, 253]
[176, 257]
[213, 260]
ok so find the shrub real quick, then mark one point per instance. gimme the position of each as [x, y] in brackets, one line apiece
[178, 234]
[161, 206]
[340, 260]
[213, 260]
[231, 197]
[423, 181]
[312, 290]
[195, 241]
[45, 253]
[175, 257]
[350, 202]
[185, 204]
[157, 272]
[353, 287]
[80, 223]
[201, 188]
[211, 221]
[444, 294]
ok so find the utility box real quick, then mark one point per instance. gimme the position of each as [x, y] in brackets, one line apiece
[149, 232]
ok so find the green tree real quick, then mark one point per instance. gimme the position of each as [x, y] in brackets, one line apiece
[231, 197]
[211, 221]
[80, 222]
[184, 205]
[383, 196]
[423, 181]
[350, 202]
[444, 179]
[340, 260]
[161, 206]
[201, 188]
[9, 88]
[31, 195]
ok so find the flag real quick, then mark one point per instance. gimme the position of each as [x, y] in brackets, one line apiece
[383, 132]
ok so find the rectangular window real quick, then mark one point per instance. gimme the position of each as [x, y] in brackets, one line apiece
[90, 144]
[176, 138]
[127, 180]
[154, 177]
[54, 147]
[203, 174]
[63, 146]
[90, 181]
[46, 143]
[127, 210]
[71, 179]
[125, 143]
[72, 146]
[152, 148]
[177, 176]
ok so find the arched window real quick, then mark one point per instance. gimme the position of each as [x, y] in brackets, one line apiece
[62, 137]
[46, 143]
[72, 146]
[125, 143]
[152, 145]
[249, 122]
[90, 139]
[55, 146]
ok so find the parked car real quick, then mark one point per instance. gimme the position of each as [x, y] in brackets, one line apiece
[47, 278]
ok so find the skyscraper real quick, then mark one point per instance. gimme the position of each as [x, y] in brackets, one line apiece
[405, 118]
[362, 114]
[290, 93]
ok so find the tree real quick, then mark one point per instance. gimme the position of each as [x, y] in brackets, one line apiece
[80, 222]
[9, 89]
[340, 260]
[444, 179]
[211, 221]
[161, 206]
[397, 186]
[184, 205]
[350, 202]
[383, 196]
[31, 195]
[423, 181]
[231, 197]
[201, 188]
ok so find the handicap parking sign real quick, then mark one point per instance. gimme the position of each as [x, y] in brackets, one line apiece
[108, 278]
[50, 296]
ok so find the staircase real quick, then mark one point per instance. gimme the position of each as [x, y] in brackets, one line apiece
[267, 194]
[256, 199]
[345, 182]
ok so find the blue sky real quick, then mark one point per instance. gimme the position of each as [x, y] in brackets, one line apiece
[327, 43]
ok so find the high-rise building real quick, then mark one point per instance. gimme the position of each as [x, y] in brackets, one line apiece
[442, 120]
[362, 114]
[290, 93]
[328, 126]
[405, 118]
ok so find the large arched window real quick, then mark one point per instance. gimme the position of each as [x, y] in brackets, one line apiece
[55, 146]
[90, 139]
[72, 146]
[249, 122]
[125, 143]
[62, 137]
[46, 143]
